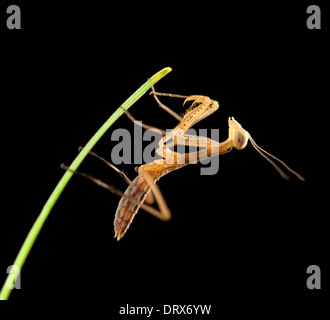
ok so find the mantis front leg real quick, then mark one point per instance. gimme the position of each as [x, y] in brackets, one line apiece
[211, 148]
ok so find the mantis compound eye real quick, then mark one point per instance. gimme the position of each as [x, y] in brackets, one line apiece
[240, 139]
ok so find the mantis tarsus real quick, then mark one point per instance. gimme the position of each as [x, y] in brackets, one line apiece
[139, 189]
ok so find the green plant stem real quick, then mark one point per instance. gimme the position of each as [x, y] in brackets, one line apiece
[38, 224]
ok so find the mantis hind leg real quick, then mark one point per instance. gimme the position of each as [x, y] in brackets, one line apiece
[112, 166]
[164, 213]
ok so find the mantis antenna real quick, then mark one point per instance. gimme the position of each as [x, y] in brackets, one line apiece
[240, 138]
[280, 171]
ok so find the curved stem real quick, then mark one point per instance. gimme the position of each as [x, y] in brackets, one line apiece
[38, 224]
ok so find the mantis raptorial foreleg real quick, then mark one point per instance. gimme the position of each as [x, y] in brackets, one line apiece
[186, 140]
[189, 140]
[201, 107]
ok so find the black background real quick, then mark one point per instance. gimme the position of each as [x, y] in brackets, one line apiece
[240, 240]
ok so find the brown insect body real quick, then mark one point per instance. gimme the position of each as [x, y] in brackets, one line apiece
[138, 190]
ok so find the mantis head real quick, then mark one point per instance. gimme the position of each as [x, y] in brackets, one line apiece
[240, 138]
[237, 134]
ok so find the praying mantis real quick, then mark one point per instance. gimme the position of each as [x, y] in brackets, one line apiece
[143, 190]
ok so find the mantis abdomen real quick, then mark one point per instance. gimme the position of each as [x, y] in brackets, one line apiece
[127, 209]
